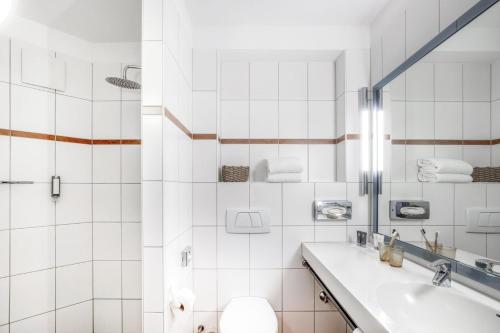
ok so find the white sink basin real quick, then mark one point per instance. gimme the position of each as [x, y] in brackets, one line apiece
[434, 309]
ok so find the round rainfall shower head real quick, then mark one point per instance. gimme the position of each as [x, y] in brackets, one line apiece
[123, 83]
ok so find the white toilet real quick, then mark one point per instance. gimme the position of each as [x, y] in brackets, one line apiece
[248, 315]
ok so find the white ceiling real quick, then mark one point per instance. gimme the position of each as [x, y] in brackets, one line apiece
[92, 20]
[310, 13]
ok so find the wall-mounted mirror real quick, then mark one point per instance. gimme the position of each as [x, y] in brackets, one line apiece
[441, 153]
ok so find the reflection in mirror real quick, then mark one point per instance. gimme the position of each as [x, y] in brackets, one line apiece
[442, 151]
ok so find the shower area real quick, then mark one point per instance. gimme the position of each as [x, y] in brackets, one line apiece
[70, 170]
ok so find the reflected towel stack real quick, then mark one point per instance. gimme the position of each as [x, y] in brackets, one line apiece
[442, 170]
[284, 170]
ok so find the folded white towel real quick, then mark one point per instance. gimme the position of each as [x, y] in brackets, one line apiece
[284, 165]
[444, 165]
[433, 177]
[284, 178]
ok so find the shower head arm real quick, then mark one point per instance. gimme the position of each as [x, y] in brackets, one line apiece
[126, 68]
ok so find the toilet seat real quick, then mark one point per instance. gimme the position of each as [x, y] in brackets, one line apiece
[248, 315]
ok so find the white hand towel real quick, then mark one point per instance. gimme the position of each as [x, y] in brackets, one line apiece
[284, 165]
[432, 177]
[443, 165]
[284, 178]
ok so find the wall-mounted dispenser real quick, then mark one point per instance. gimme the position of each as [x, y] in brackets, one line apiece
[332, 210]
[409, 210]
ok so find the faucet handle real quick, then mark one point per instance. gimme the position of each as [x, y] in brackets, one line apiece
[441, 264]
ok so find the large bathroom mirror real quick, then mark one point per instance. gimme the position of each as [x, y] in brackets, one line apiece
[439, 164]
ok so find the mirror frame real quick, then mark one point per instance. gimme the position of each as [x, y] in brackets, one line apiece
[466, 274]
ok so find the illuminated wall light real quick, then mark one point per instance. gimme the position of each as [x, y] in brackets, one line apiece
[5, 6]
[380, 140]
[365, 135]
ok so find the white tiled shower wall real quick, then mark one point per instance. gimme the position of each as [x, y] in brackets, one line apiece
[71, 265]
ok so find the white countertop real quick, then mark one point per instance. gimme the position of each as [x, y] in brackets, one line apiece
[352, 274]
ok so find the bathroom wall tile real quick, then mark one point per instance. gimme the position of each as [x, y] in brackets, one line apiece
[450, 10]
[153, 280]
[352, 115]
[420, 120]
[492, 246]
[41, 212]
[398, 163]
[107, 241]
[4, 302]
[153, 322]
[448, 118]
[4, 105]
[32, 294]
[4, 253]
[297, 151]
[331, 233]
[495, 155]
[448, 82]
[73, 243]
[131, 120]
[337, 191]
[266, 195]
[266, 249]
[447, 151]
[152, 16]
[321, 119]
[298, 322]
[132, 316]
[477, 156]
[66, 279]
[204, 204]
[352, 160]
[76, 318]
[205, 247]
[321, 163]
[471, 242]
[476, 120]
[468, 195]
[398, 88]
[78, 77]
[340, 75]
[106, 164]
[495, 119]
[230, 284]
[340, 128]
[103, 91]
[40, 254]
[267, 283]
[73, 117]
[131, 241]
[230, 195]
[32, 159]
[393, 43]
[205, 288]
[420, 82]
[131, 279]
[445, 233]
[410, 191]
[258, 156]
[413, 153]
[476, 82]
[422, 24]
[204, 112]
[107, 316]
[74, 162]
[357, 69]
[151, 145]
[204, 161]
[235, 80]
[32, 110]
[264, 119]
[361, 214]
[293, 81]
[131, 163]
[204, 69]
[107, 279]
[43, 323]
[234, 119]
[398, 119]
[151, 73]
[328, 321]
[234, 154]
[441, 198]
[131, 202]
[320, 80]
[297, 203]
[152, 213]
[232, 249]
[293, 120]
[298, 290]
[4, 58]
[293, 237]
[106, 202]
[263, 81]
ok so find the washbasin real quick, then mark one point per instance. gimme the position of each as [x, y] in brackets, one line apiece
[434, 309]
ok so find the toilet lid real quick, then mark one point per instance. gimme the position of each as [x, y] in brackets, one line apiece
[248, 315]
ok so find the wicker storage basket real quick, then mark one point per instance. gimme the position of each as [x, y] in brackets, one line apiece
[486, 174]
[234, 173]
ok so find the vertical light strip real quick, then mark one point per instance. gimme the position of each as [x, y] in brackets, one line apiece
[364, 111]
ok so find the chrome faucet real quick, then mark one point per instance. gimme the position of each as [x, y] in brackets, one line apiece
[443, 273]
[487, 265]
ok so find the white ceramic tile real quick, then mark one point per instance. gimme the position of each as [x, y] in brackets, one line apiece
[4, 105]
[107, 279]
[298, 322]
[352, 160]
[293, 120]
[477, 156]
[450, 10]
[4, 253]
[43, 323]
[420, 120]
[131, 163]
[4, 58]
[151, 146]
[205, 247]
[204, 204]
[266, 249]
[41, 212]
[70, 276]
[234, 154]
[325, 322]
[231, 195]
[297, 204]
[78, 77]
[232, 249]
[352, 116]
[448, 82]
[73, 243]
[4, 302]
[132, 316]
[292, 240]
[495, 155]
[75, 205]
[171, 89]
[476, 82]
[107, 241]
[393, 43]
[476, 120]
[205, 288]
[330, 233]
[131, 120]
[152, 72]
[153, 322]
[204, 69]
[398, 119]
[234, 80]
[361, 213]
[74, 162]
[266, 195]
[106, 163]
[131, 241]
[299, 152]
[234, 121]
[230, 284]
[77, 318]
[409, 191]
[131, 202]
[321, 119]
[293, 81]
[32, 294]
[264, 119]
[32, 159]
[340, 116]
[107, 316]
[263, 80]
[106, 120]
[152, 15]
[321, 163]
[320, 80]
[73, 117]
[470, 242]
[258, 156]
[102, 90]
[448, 151]
[106, 202]
[422, 24]
[495, 119]
[420, 82]
[267, 283]
[32, 110]
[298, 290]
[204, 161]
[448, 118]
[340, 75]
[40, 253]
[131, 279]
[441, 198]
[153, 280]
[341, 162]
[468, 195]
[492, 247]
[204, 112]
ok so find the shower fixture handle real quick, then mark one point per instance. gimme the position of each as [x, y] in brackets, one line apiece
[127, 67]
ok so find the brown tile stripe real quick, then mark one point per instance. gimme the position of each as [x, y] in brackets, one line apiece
[204, 136]
[178, 123]
[281, 141]
[445, 142]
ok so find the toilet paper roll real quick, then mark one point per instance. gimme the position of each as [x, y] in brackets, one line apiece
[182, 302]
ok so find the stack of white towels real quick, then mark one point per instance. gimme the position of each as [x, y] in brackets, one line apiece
[284, 170]
[442, 170]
